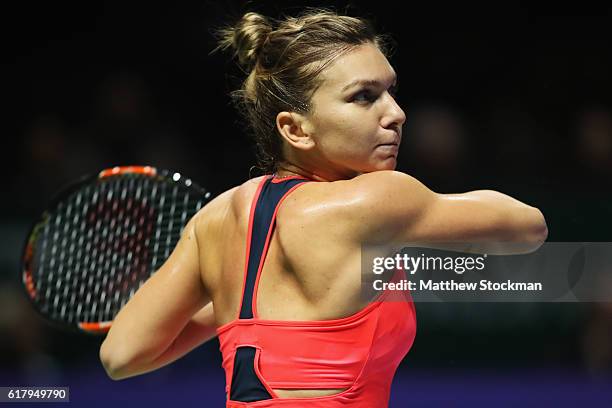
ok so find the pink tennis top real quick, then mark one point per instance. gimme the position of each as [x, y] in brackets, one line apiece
[360, 352]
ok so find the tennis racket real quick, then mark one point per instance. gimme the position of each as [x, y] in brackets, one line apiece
[101, 238]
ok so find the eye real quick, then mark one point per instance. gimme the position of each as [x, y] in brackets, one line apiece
[367, 97]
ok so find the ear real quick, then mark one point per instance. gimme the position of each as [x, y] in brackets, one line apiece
[295, 129]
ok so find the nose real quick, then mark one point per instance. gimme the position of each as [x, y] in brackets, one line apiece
[394, 116]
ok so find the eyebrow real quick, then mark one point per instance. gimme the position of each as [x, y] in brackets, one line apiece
[365, 82]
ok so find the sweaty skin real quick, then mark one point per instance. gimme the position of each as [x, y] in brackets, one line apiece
[349, 144]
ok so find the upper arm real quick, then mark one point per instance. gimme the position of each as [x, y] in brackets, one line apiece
[408, 211]
[161, 307]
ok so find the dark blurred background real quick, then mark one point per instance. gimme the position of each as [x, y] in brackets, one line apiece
[506, 97]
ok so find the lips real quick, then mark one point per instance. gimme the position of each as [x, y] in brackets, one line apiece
[389, 148]
[393, 143]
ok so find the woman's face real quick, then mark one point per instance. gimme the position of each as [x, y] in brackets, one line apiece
[356, 124]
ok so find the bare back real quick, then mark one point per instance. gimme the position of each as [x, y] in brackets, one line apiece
[312, 267]
[311, 271]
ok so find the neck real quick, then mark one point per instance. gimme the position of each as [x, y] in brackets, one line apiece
[286, 169]
[311, 165]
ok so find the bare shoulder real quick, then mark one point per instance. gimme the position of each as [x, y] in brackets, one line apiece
[384, 201]
[366, 206]
[384, 193]
[231, 203]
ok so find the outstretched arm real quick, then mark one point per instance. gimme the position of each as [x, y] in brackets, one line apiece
[482, 221]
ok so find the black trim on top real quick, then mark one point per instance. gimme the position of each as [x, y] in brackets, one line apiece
[269, 197]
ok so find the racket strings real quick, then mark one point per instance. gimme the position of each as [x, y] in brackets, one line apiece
[105, 241]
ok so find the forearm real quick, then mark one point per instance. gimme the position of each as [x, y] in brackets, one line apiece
[201, 328]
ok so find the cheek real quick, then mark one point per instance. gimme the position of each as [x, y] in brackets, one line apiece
[345, 132]
[350, 123]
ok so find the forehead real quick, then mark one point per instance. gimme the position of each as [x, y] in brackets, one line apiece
[364, 62]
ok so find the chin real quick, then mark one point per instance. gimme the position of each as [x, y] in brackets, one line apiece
[377, 164]
[387, 164]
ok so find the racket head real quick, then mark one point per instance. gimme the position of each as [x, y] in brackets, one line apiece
[100, 238]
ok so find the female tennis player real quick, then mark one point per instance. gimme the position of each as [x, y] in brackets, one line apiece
[272, 267]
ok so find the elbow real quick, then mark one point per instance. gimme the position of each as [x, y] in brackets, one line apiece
[108, 363]
[122, 362]
[535, 230]
[525, 231]
[539, 228]
[543, 232]
[111, 363]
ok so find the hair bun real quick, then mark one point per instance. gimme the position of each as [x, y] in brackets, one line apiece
[248, 37]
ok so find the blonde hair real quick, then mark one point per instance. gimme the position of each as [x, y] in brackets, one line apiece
[283, 59]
